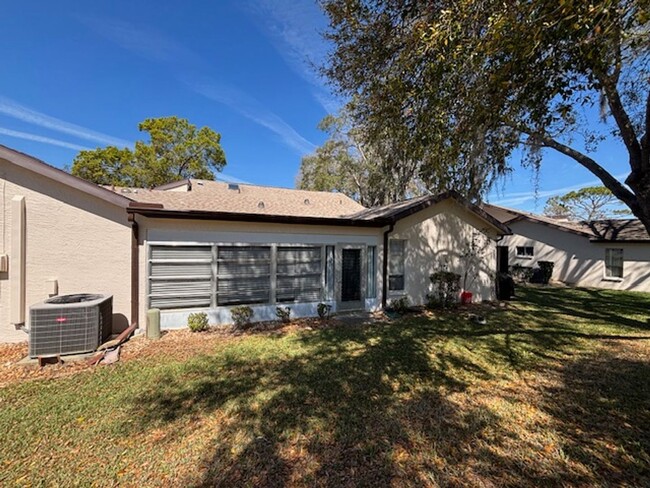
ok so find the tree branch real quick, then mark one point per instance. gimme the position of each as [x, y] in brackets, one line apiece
[615, 186]
[622, 120]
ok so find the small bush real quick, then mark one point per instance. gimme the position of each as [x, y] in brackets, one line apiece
[400, 305]
[446, 286]
[198, 322]
[241, 315]
[323, 310]
[521, 274]
[283, 313]
[546, 271]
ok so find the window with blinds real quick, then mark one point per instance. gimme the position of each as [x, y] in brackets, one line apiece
[180, 276]
[614, 263]
[299, 274]
[243, 275]
[396, 264]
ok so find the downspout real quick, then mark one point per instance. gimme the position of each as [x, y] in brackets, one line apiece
[384, 281]
[135, 269]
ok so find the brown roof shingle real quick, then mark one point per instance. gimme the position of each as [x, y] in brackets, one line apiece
[596, 230]
[216, 196]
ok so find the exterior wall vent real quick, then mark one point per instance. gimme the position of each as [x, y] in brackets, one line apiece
[69, 324]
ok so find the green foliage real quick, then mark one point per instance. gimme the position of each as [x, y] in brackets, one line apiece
[400, 305]
[520, 273]
[176, 150]
[463, 83]
[446, 286]
[284, 314]
[546, 271]
[373, 174]
[589, 203]
[323, 310]
[198, 322]
[241, 315]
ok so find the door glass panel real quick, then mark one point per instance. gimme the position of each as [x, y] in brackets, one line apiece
[351, 279]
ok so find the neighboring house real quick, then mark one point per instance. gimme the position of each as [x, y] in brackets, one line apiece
[209, 246]
[602, 253]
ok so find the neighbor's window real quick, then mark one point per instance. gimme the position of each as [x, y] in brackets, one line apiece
[524, 251]
[613, 263]
[372, 272]
[396, 264]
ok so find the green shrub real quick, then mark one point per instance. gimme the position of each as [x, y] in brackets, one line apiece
[446, 286]
[198, 322]
[283, 313]
[546, 271]
[400, 305]
[241, 315]
[520, 273]
[323, 310]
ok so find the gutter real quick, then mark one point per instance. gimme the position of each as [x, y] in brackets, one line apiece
[157, 211]
[384, 271]
[135, 269]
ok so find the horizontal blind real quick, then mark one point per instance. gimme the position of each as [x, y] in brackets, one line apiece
[243, 274]
[180, 276]
[299, 271]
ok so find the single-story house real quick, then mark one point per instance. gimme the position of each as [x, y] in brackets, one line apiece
[208, 246]
[613, 253]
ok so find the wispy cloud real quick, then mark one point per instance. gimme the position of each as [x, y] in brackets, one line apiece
[154, 46]
[519, 198]
[15, 110]
[251, 109]
[294, 29]
[44, 140]
[143, 41]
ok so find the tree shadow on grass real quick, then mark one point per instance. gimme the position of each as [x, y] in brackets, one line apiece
[374, 406]
[602, 407]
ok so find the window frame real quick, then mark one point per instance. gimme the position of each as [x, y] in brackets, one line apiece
[608, 262]
[525, 254]
[391, 274]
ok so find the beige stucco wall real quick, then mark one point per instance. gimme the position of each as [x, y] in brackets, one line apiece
[79, 240]
[435, 239]
[577, 260]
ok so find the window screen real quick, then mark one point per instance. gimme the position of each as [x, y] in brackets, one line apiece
[372, 272]
[180, 276]
[299, 273]
[614, 263]
[243, 274]
[396, 264]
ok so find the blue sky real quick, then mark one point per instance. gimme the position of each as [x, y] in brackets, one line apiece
[83, 74]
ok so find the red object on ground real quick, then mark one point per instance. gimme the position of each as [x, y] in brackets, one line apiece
[466, 297]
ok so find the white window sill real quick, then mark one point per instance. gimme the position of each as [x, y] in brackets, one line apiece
[612, 279]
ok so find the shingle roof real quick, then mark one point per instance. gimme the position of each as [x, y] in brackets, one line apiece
[596, 230]
[617, 230]
[215, 196]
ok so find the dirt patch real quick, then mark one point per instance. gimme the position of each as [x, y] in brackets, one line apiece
[178, 344]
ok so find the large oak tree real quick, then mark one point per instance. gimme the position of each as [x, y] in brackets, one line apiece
[470, 81]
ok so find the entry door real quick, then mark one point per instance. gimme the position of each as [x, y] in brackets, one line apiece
[351, 275]
[502, 259]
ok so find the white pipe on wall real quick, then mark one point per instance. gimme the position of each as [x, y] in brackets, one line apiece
[17, 262]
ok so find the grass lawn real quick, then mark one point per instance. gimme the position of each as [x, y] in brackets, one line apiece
[553, 391]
